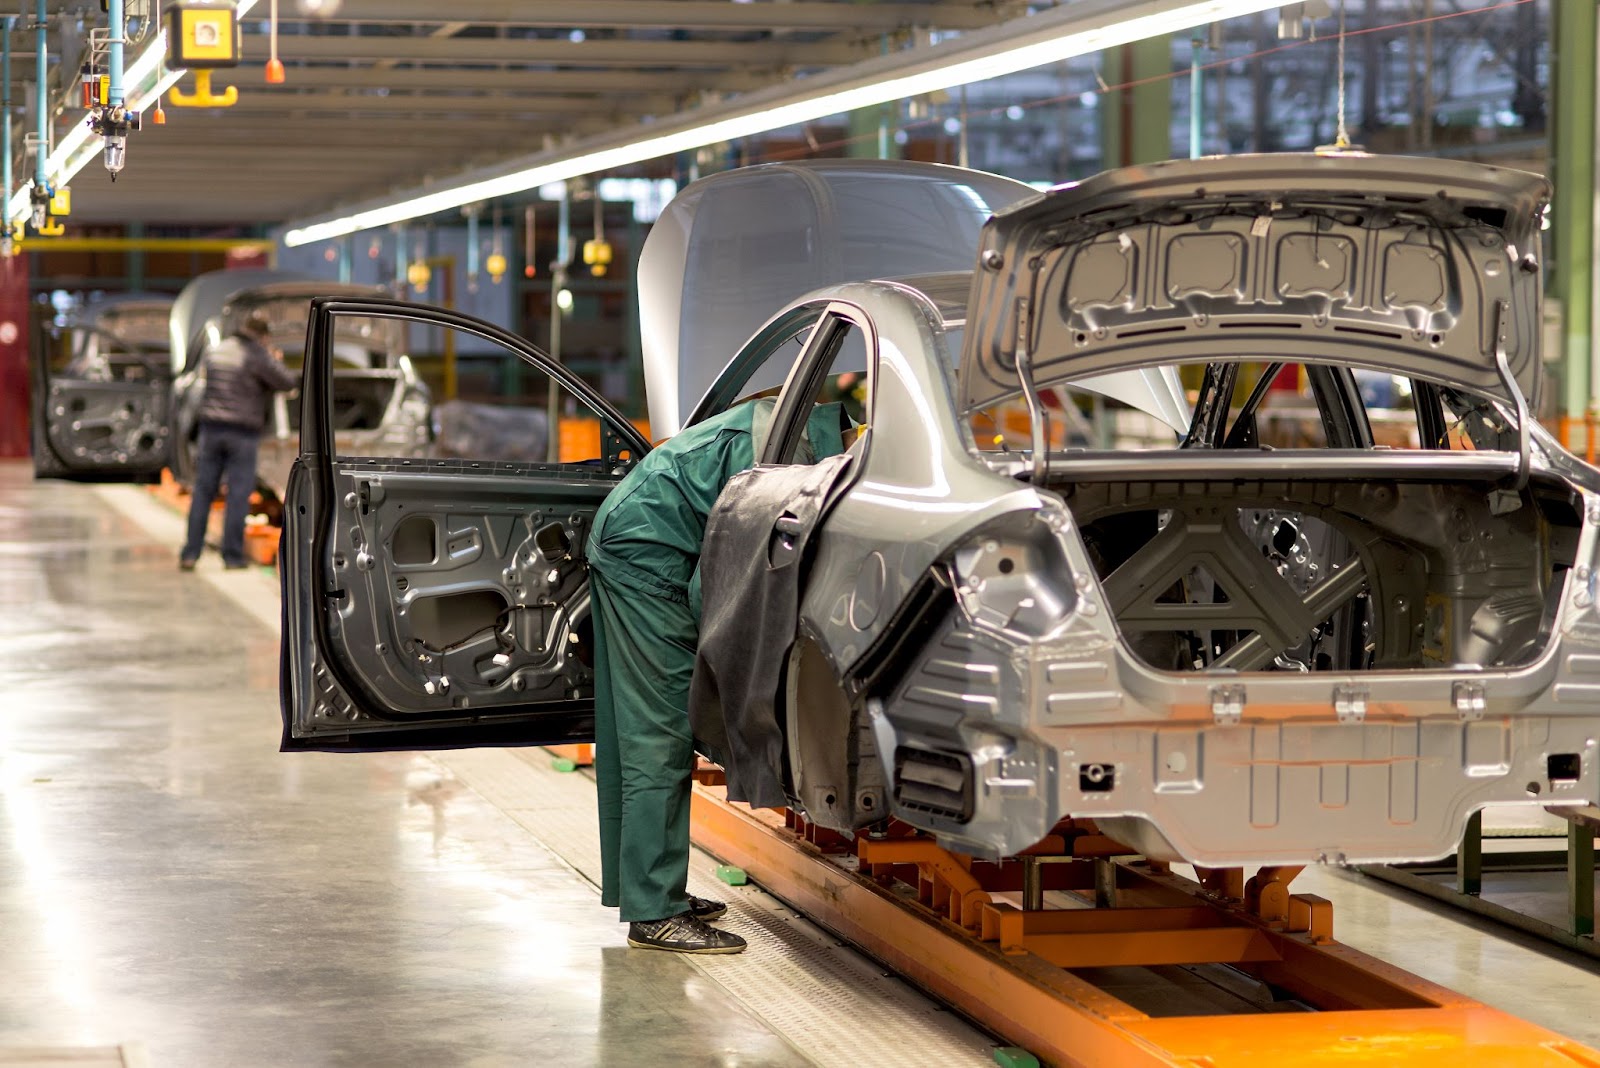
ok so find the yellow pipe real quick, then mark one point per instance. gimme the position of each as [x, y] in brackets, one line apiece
[158, 244]
[448, 298]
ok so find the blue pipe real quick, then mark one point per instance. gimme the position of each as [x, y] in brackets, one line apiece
[5, 116]
[114, 15]
[1196, 98]
[42, 50]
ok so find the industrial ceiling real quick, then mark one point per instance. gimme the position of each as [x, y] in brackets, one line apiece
[385, 94]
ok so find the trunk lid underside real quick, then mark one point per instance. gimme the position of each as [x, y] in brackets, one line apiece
[1425, 268]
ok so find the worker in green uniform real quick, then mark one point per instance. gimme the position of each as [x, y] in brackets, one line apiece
[643, 587]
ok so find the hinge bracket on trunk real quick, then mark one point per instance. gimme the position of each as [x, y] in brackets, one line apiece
[1037, 417]
[1502, 321]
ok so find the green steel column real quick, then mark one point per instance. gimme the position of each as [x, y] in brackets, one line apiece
[871, 130]
[1136, 123]
[136, 259]
[1573, 145]
[634, 353]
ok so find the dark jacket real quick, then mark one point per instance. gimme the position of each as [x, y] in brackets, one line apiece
[240, 375]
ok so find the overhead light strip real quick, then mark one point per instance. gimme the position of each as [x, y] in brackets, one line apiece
[1060, 33]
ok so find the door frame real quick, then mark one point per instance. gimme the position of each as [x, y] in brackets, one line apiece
[316, 459]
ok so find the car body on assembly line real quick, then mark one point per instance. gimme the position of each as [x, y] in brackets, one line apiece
[1292, 619]
[101, 390]
[118, 389]
[377, 393]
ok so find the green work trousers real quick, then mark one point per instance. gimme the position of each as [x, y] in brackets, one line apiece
[644, 750]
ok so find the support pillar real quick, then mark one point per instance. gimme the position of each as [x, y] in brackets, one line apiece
[1136, 122]
[871, 133]
[14, 337]
[136, 259]
[1573, 147]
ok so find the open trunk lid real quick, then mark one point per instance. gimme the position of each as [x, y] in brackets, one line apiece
[1421, 267]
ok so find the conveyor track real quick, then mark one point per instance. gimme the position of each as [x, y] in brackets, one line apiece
[980, 936]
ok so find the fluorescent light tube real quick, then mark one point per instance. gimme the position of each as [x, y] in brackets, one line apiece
[1059, 33]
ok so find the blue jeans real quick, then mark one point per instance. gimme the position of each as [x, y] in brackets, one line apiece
[227, 451]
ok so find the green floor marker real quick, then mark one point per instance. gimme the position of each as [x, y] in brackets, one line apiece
[563, 764]
[1015, 1057]
[732, 874]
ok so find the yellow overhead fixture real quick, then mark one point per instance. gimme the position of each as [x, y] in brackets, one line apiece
[419, 274]
[202, 36]
[597, 251]
[495, 265]
[61, 202]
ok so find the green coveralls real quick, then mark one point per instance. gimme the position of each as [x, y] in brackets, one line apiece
[643, 591]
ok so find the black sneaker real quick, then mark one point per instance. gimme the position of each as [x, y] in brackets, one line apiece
[683, 933]
[240, 566]
[703, 908]
[186, 565]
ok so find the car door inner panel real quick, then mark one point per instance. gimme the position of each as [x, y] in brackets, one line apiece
[476, 581]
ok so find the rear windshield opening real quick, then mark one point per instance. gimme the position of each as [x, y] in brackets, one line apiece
[1257, 405]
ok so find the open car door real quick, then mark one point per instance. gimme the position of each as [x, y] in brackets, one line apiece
[100, 405]
[442, 601]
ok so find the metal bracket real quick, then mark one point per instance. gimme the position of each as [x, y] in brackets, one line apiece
[1502, 318]
[1469, 700]
[1227, 705]
[1037, 417]
[1350, 703]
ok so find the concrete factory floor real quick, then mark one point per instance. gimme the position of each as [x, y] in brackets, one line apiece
[171, 884]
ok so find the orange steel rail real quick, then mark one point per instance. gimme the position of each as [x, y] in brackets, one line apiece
[953, 925]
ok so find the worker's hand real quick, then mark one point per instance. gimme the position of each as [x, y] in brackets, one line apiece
[277, 353]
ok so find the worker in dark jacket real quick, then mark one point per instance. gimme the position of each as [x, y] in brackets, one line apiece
[643, 556]
[241, 374]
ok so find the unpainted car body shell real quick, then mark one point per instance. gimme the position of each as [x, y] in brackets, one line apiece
[1371, 766]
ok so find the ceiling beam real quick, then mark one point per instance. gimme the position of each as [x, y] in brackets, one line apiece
[595, 52]
[677, 14]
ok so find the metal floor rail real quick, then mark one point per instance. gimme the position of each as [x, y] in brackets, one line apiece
[958, 928]
[1458, 880]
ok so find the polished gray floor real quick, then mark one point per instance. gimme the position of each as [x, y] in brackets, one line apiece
[168, 878]
[169, 881]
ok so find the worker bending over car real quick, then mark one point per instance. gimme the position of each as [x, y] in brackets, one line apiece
[643, 555]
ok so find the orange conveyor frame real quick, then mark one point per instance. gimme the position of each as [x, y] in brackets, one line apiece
[975, 935]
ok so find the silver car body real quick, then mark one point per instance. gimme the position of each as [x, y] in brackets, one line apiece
[982, 649]
[1029, 688]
